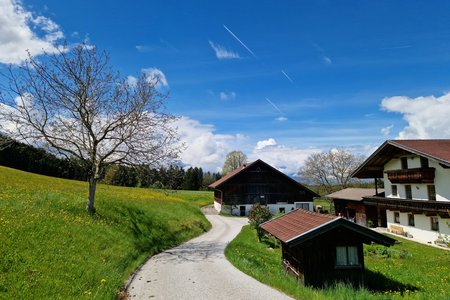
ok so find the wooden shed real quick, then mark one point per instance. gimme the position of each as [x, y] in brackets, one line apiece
[322, 249]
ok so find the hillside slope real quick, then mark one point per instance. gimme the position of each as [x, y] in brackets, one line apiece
[51, 248]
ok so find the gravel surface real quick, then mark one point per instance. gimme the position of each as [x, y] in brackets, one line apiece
[198, 269]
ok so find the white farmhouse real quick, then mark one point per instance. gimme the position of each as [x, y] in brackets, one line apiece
[416, 175]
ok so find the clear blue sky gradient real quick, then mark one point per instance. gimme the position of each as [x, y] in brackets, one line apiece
[342, 58]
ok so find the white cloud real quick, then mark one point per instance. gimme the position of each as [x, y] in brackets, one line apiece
[386, 130]
[281, 119]
[427, 117]
[327, 60]
[204, 148]
[131, 80]
[156, 76]
[265, 143]
[222, 53]
[20, 30]
[284, 158]
[227, 95]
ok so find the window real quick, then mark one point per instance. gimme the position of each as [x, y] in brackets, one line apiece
[394, 190]
[431, 192]
[304, 206]
[396, 217]
[424, 162]
[281, 210]
[434, 223]
[346, 256]
[411, 220]
[404, 161]
[408, 192]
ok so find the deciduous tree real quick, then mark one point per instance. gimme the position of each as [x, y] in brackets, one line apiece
[75, 103]
[331, 168]
[233, 160]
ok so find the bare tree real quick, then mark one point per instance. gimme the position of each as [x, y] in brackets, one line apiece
[233, 160]
[330, 168]
[73, 102]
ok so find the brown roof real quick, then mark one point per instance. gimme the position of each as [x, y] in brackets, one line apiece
[354, 194]
[237, 171]
[372, 167]
[295, 223]
[299, 226]
[232, 174]
[436, 149]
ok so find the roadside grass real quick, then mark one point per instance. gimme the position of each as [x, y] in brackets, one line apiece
[50, 248]
[406, 270]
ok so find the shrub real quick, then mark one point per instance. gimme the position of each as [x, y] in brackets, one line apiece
[258, 214]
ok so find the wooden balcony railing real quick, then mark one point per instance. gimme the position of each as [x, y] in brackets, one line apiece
[418, 175]
[427, 207]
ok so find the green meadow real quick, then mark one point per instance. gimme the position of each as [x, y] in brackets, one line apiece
[50, 248]
[404, 271]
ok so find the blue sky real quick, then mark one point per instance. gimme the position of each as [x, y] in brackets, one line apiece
[276, 79]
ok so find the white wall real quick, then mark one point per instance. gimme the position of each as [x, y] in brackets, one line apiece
[422, 226]
[217, 206]
[273, 208]
[419, 191]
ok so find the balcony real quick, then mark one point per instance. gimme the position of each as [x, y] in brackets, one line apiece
[429, 208]
[418, 175]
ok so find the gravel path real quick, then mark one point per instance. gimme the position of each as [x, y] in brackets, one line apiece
[198, 269]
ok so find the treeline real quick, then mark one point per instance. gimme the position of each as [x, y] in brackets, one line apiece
[24, 157]
[172, 177]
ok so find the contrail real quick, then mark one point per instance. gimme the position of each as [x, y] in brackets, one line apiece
[273, 104]
[289, 78]
[242, 43]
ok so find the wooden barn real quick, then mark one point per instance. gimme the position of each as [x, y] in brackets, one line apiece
[258, 182]
[322, 249]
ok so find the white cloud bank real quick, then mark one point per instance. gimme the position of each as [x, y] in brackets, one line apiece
[21, 30]
[427, 117]
[284, 158]
[204, 148]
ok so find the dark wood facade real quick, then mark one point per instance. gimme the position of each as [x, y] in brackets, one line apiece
[322, 249]
[314, 262]
[258, 182]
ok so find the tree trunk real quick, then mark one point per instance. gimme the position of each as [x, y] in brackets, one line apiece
[92, 187]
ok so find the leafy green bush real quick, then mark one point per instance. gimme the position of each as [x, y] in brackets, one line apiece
[385, 252]
[258, 214]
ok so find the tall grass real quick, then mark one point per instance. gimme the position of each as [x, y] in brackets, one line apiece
[50, 248]
[408, 270]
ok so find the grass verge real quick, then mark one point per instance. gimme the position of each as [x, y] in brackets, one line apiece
[408, 270]
[52, 249]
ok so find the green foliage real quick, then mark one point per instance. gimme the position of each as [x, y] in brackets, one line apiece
[51, 248]
[422, 272]
[385, 252]
[258, 214]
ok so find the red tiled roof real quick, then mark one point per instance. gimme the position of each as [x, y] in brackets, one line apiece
[438, 149]
[372, 167]
[299, 226]
[296, 223]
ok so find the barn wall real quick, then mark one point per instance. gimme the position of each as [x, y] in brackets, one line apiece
[259, 183]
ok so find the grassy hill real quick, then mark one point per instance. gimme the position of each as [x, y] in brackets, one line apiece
[50, 248]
